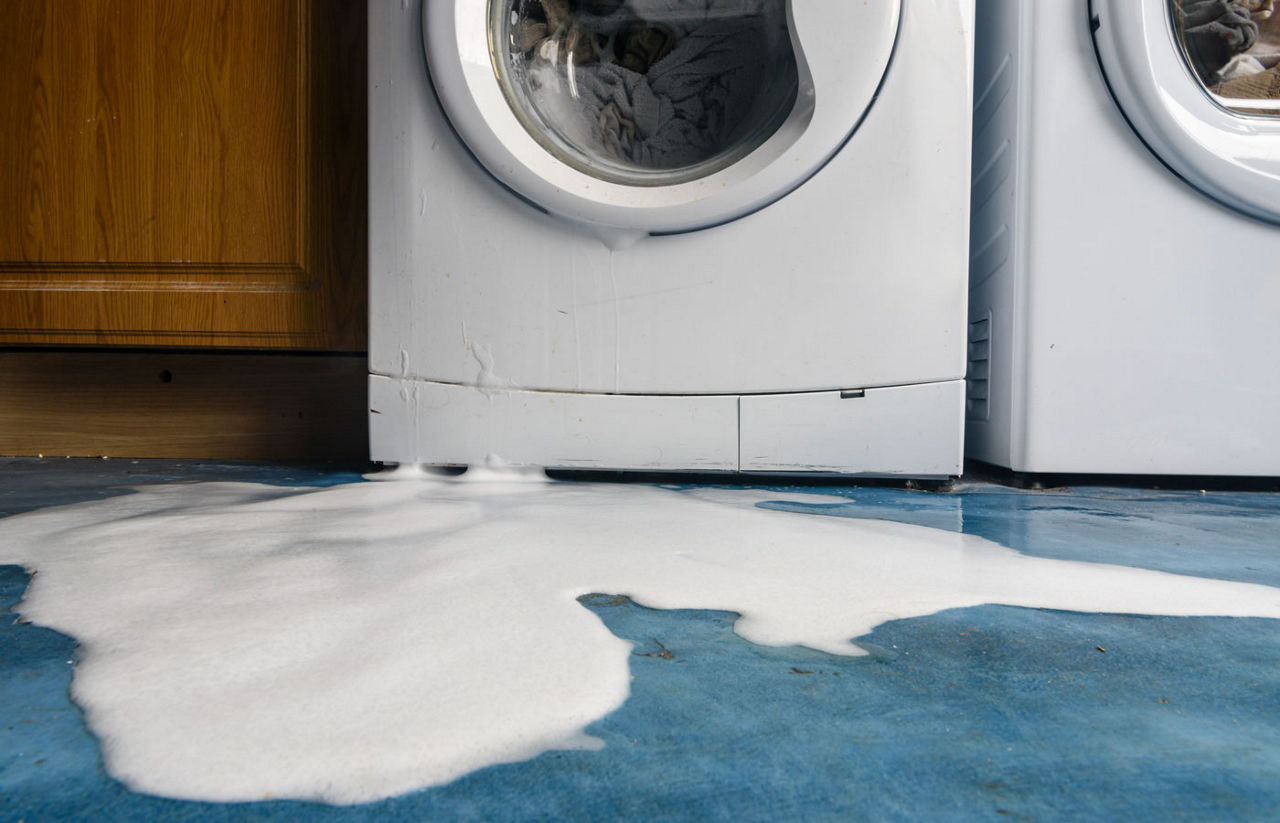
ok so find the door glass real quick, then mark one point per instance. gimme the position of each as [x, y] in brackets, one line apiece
[646, 92]
[1233, 47]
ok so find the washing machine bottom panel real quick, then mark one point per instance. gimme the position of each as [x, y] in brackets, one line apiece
[911, 430]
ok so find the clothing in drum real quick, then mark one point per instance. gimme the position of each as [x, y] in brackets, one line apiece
[646, 92]
[1233, 47]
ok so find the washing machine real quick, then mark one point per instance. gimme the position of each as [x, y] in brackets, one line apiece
[1125, 273]
[710, 236]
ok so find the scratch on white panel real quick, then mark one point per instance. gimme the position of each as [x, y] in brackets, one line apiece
[651, 293]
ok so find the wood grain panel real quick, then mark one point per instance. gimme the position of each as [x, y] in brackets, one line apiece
[180, 404]
[183, 172]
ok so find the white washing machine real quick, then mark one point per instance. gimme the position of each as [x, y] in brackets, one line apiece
[1125, 283]
[711, 235]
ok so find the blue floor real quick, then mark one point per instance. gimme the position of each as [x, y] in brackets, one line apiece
[990, 712]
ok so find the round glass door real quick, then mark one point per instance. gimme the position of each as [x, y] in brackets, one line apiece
[656, 116]
[1197, 80]
[646, 92]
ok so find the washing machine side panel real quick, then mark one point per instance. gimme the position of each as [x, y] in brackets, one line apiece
[997, 244]
[1152, 342]
[857, 279]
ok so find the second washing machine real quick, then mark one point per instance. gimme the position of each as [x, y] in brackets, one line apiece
[1126, 237]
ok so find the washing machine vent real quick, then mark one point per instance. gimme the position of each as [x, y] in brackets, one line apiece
[979, 373]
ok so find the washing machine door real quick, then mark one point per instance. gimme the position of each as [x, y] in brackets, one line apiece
[657, 115]
[1199, 81]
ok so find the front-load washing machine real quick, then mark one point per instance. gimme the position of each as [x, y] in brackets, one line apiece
[1126, 237]
[711, 235]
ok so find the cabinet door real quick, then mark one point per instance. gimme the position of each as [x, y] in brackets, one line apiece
[183, 173]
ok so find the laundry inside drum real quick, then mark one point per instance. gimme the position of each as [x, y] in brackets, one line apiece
[646, 92]
[1233, 49]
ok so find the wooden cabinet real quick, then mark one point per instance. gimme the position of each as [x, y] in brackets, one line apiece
[182, 173]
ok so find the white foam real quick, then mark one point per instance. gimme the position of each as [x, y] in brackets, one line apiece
[355, 642]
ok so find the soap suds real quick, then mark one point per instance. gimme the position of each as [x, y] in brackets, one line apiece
[360, 641]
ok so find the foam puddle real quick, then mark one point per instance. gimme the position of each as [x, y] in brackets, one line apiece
[351, 643]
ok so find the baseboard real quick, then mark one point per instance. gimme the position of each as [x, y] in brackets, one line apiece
[183, 404]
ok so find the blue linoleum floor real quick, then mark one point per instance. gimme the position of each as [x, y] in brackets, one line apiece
[982, 713]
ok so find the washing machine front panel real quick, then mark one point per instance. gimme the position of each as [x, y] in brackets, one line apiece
[582, 106]
[499, 328]
[1182, 103]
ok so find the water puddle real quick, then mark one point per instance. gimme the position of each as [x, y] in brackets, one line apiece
[351, 643]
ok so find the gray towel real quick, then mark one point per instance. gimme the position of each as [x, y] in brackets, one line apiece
[702, 98]
[1215, 31]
